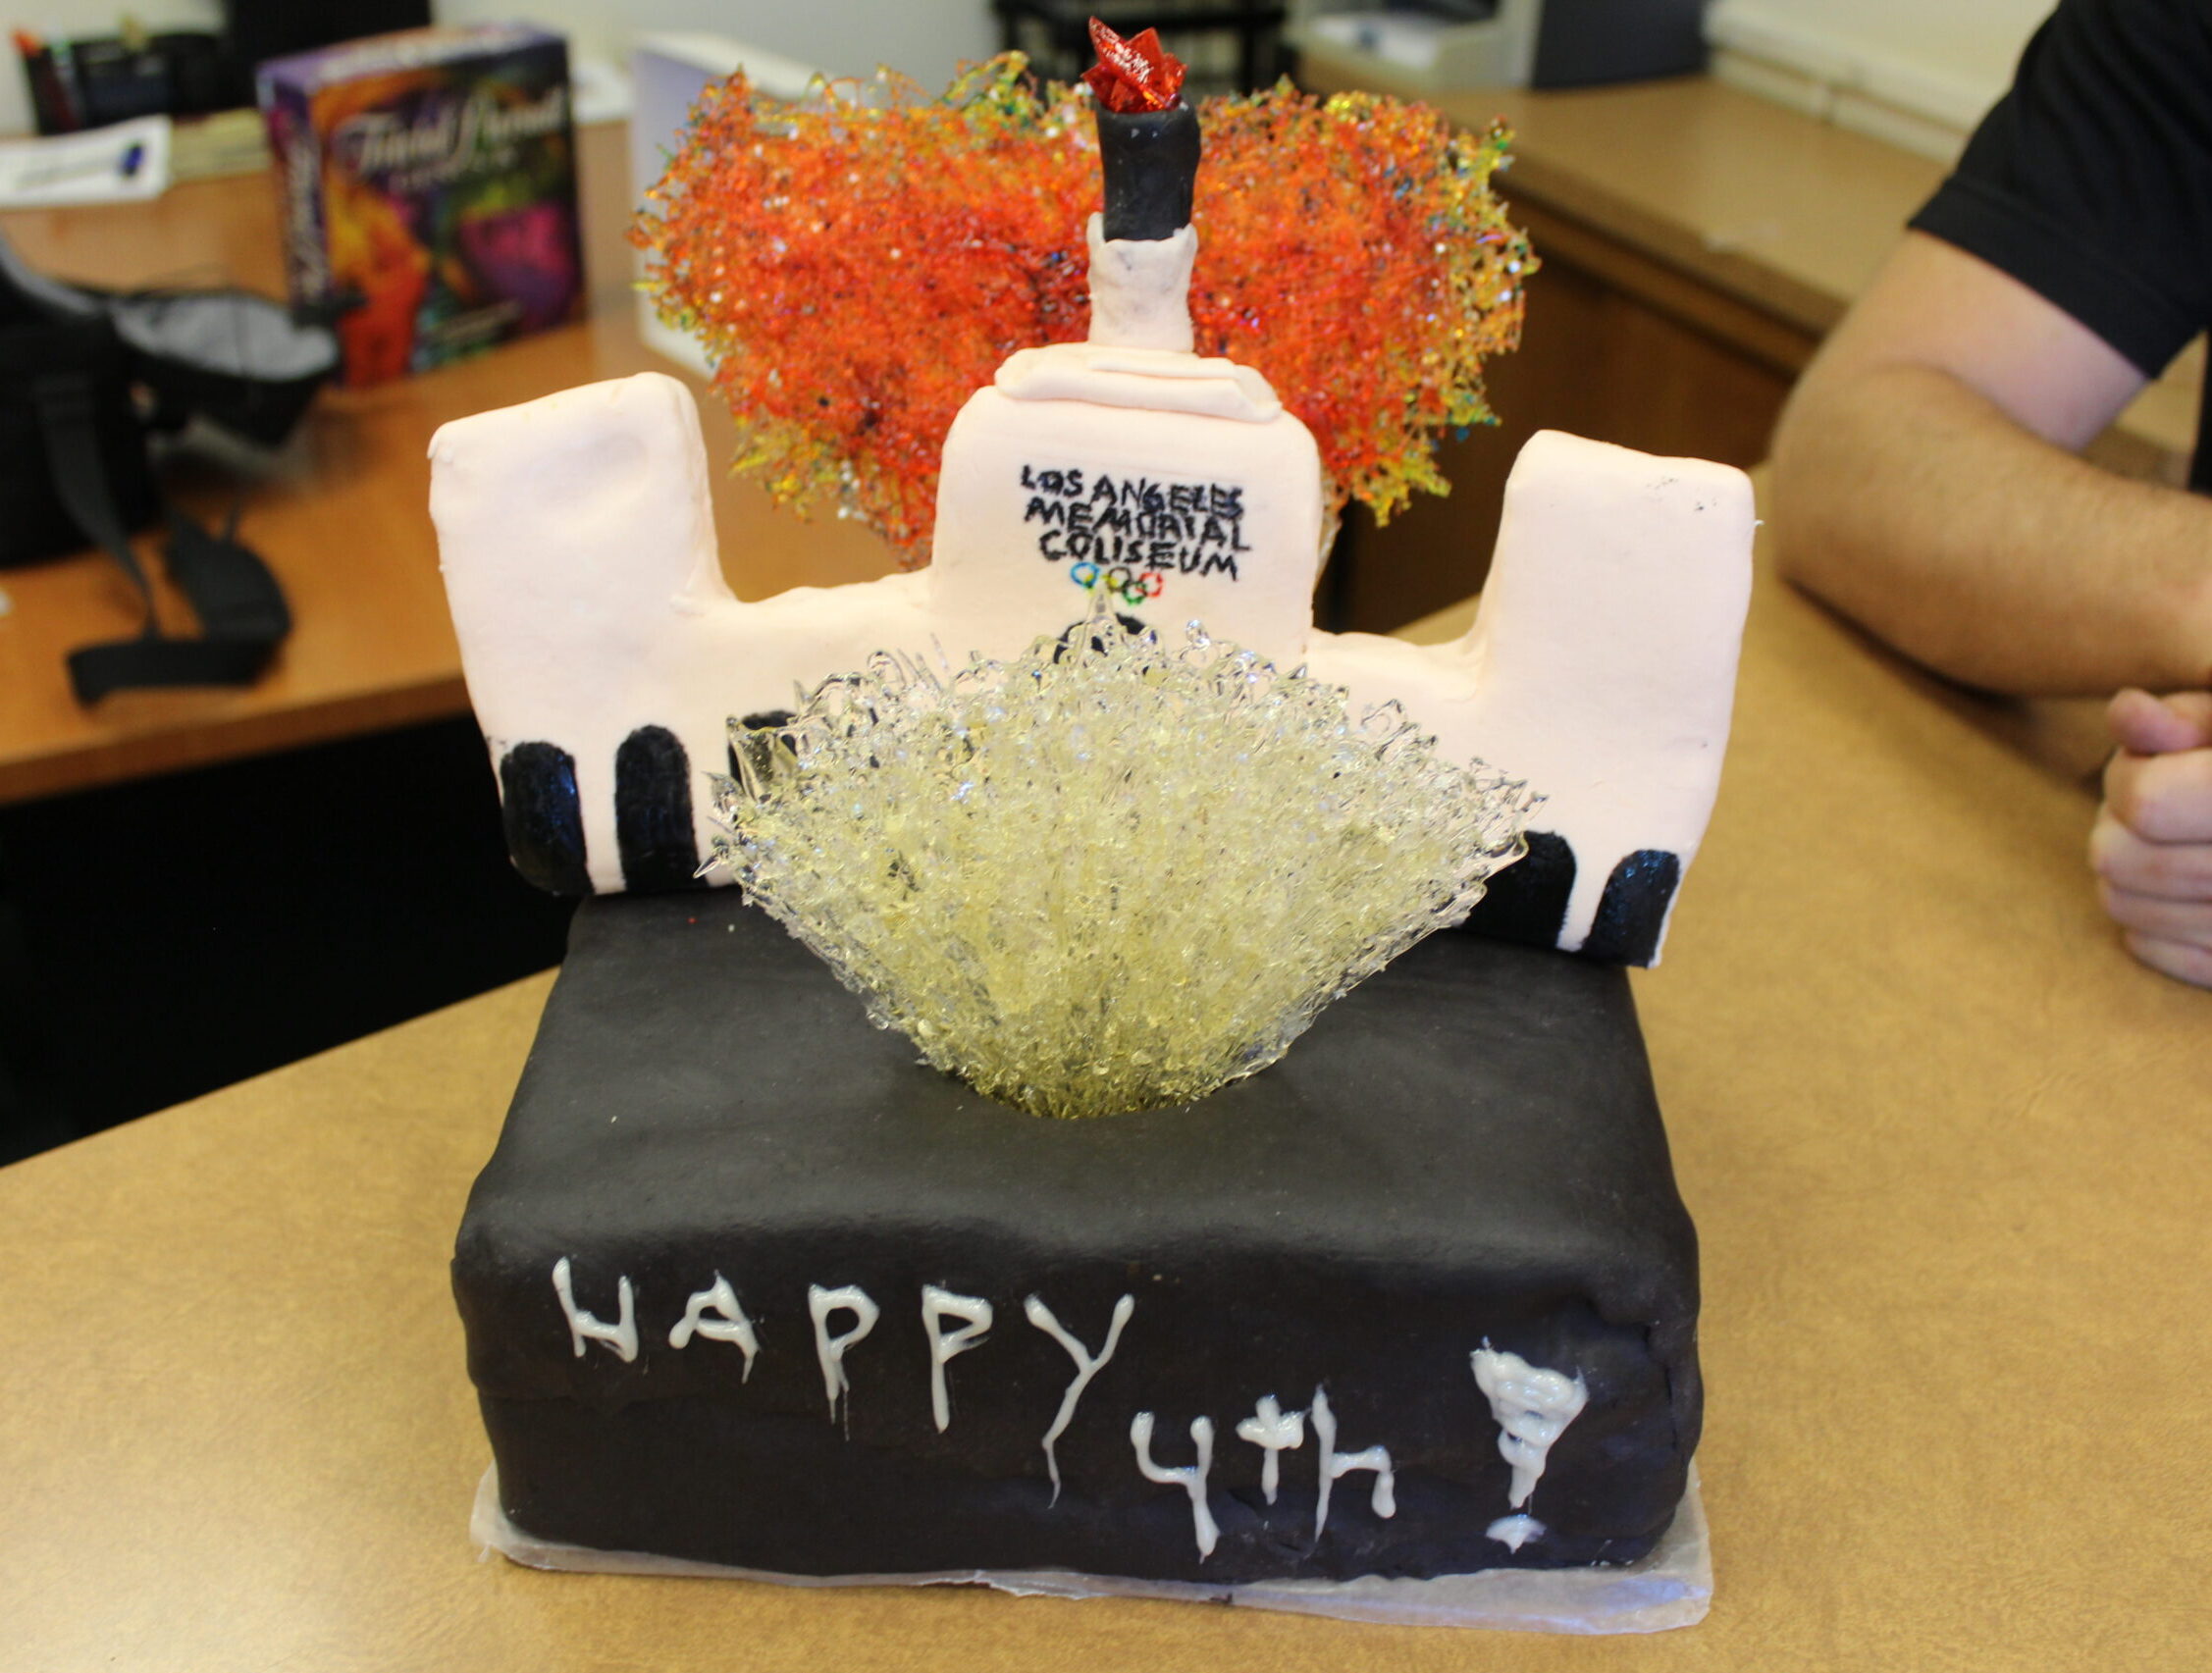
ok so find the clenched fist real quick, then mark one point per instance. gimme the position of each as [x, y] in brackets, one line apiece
[2152, 846]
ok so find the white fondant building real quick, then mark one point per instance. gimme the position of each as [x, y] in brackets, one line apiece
[606, 655]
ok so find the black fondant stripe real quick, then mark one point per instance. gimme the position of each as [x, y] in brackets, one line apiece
[1632, 911]
[1527, 901]
[653, 812]
[1150, 161]
[544, 817]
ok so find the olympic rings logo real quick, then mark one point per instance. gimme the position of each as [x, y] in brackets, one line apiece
[1134, 585]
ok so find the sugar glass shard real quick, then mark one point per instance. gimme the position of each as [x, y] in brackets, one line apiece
[1109, 875]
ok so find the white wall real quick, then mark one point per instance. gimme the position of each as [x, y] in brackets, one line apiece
[1937, 62]
[1933, 65]
[928, 40]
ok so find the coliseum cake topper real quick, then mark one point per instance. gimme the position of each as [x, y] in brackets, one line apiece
[605, 654]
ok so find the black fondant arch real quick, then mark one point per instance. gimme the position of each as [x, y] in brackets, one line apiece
[544, 817]
[653, 812]
[1632, 911]
[1527, 901]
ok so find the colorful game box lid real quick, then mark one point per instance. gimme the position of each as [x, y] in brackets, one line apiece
[429, 190]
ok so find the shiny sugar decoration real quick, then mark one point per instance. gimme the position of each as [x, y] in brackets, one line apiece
[858, 264]
[1031, 871]
[1134, 74]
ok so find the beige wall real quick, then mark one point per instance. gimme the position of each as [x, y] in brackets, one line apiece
[1913, 72]
[928, 40]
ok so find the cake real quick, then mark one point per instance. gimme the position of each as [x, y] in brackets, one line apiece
[746, 1286]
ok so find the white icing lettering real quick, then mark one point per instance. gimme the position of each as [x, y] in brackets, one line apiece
[1532, 1406]
[976, 1314]
[1514, 1532]
[583, 1326]
[1191, 1477]
[728, 1325]
[1040, 1315]
[1335, 1466]
[1276, 1431]
[829, 1349]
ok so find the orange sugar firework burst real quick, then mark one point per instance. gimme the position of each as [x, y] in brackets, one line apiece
[860, 264]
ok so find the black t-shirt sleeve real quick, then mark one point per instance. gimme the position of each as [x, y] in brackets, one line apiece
[2090, 182]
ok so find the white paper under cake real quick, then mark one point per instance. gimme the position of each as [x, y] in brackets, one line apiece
[1672, 1587]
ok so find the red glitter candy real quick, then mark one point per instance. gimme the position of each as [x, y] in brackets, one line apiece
[859, 265]
[1133, 76]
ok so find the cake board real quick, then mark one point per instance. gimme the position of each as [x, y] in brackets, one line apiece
[1670, 1587]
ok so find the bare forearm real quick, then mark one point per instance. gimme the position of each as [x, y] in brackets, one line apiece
[1913, 505]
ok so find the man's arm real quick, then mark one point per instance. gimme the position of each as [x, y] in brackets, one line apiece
[1926, 485]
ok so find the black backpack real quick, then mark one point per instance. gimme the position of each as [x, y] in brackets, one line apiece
[86, 378]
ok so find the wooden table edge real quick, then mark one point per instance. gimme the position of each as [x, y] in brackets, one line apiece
[190, 743]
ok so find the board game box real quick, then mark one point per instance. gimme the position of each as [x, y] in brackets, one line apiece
[429, 183]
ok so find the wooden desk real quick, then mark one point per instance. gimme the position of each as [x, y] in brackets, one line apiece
[1946, 1143]
[341, 514]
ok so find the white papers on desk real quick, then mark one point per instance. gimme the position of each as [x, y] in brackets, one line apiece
[118, 164]
[1408, 40]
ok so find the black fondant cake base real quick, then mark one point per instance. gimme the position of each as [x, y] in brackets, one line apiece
[1465, 1151]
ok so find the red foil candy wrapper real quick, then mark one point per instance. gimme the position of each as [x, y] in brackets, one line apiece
[1136, 74]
